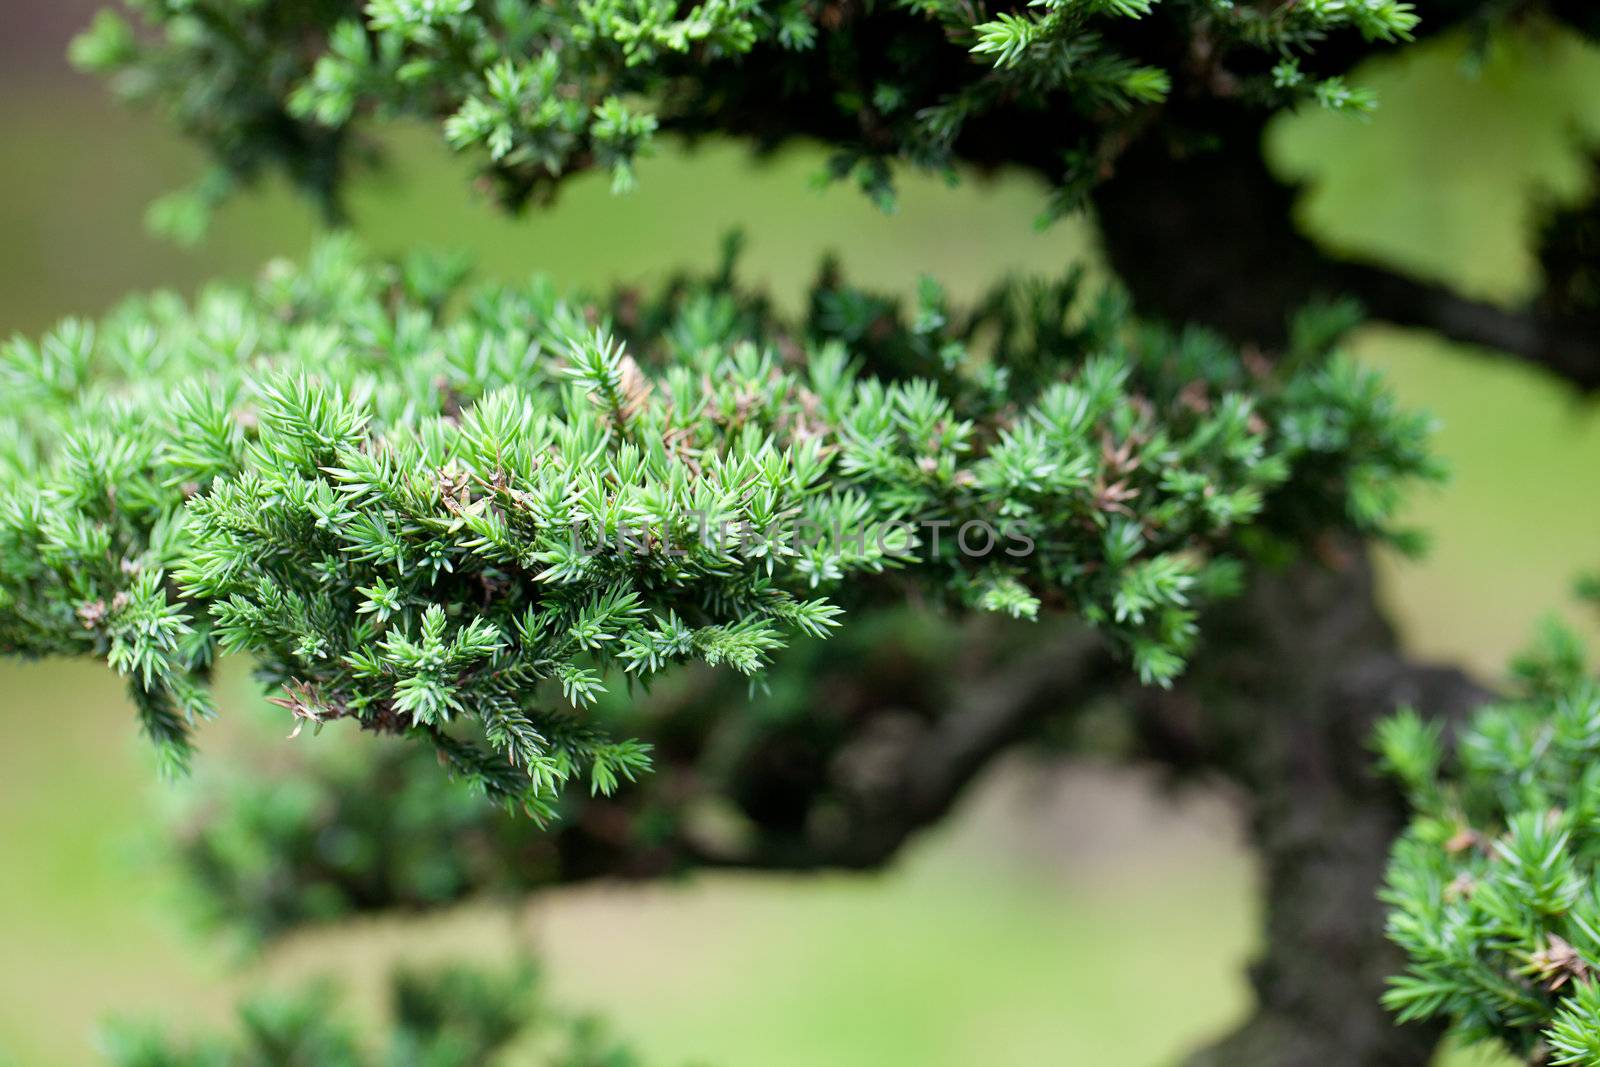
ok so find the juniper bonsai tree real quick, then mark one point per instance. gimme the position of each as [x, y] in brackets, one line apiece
[543, 538]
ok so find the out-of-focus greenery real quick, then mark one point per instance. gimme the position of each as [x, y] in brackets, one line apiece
[933, 963]
[447, 1017]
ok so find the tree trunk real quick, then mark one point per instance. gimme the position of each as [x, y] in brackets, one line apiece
[1285, 705]
[1299, 673]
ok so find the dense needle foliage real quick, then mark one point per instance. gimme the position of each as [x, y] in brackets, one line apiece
[423, 509]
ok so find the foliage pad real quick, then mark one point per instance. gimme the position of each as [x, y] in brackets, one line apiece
[458, 514]
[446, 1017]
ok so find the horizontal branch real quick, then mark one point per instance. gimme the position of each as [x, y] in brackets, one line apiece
[1564, 345]
[1287, 706]
[1210, 238]
[906, 771]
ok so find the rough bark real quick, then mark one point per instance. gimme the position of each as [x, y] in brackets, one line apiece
[1285, 707]
[1299, 673]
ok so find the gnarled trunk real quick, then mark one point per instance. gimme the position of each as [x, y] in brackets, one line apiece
[1285, 705]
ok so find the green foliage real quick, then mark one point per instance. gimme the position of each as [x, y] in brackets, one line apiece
[537, 91]
[453, 1017]
[450, 513]
[1492, 889]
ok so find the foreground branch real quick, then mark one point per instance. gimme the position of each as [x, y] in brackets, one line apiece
[887, 750]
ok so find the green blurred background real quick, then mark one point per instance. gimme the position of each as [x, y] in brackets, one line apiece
[1070, 914]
